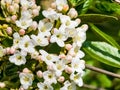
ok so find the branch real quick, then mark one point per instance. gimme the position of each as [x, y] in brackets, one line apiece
[102, 71]
[92, 87]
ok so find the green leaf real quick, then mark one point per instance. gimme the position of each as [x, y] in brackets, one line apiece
[96, 18]
[108, 38]
[104, 80]
[103, 52]
[75, 2]
[86, 6]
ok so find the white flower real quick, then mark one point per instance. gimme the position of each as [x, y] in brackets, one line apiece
[68, 86]
[45, 28]
[1, 51]
[24, 23]
[26, 79]
[71, 32]
[26, 44]
[59, 67]
[26, 14]
[60, 4]
[40, 39]
[35, 54]
[44, 86]
[48, 58]
[66, 20]
[76, 52]
[77, 78]
[49, 77]
[77, 65]
[18, 58]
[16, 40]
[50, 14]
[27, 3]
[59, 36]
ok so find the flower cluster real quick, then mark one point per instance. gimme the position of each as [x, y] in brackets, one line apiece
[53, 42]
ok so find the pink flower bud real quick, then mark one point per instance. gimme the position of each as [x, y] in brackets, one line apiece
[14, 18]
[68, 70]
[26, 70]
[12, 50]
[61, 79]
[65, 8]
[62, 56]
[7, 50]
[73, 13]
[9, 30]
[68, 46]
[69, 58]
[2, 85]
[11, 9]
[35, 12]
[34, 25]
[39, 74]
[21, 88]
[21, 31]
[53, 5]
[8, 19]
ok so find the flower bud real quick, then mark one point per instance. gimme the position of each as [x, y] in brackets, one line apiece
[35, 12]
[26, 70]
[65, 8]
[72, 13]
[34, 25]
[14, 18]
[61, 79]
[2, 85]
[68, 70]
[12, 50]
[21, 31]
[39, 74]
[53, 5]
[9, 30]
[62, 56]
[68, 46]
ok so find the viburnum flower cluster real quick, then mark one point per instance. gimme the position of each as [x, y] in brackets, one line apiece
[39, 40]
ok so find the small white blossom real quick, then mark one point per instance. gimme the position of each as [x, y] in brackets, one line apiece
[40, 39]
[26, 79]
[44, 86]
[18, 58]
[59, 67]
[16, 40]
[49, 77]
[66, 20]
[51, 14]
[68, 86]
[45, 28]
[59, 36]
[77, 65]
[60, 4]
[48, 58]
[26, 44]
[24, 23]
[77, 78]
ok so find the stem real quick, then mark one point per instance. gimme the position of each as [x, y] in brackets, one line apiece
[102, 71]
[92, 87]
